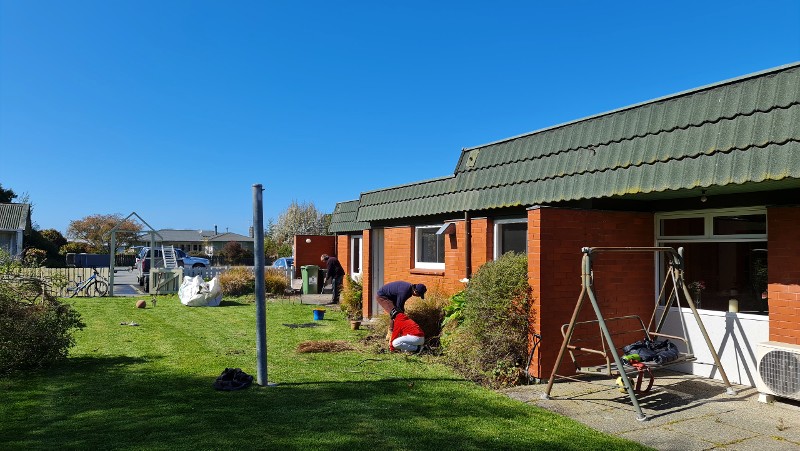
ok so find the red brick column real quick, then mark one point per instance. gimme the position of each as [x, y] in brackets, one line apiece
[783, 263]
[623, 282]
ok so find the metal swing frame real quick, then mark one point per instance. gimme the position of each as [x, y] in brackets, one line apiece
[675, 273]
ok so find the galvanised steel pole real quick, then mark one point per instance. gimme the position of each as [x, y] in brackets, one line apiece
[261, 314]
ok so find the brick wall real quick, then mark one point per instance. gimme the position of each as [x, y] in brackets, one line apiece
[784, 274]
[623, 283]
[343, 252]
[366, 274]
[309, 253]
[399, 259]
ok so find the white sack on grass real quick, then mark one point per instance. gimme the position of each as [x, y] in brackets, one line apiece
[194, 292]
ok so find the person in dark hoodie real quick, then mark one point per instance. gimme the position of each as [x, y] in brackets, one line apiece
[335, 273]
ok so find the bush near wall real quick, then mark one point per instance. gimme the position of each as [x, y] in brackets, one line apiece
[489, 344]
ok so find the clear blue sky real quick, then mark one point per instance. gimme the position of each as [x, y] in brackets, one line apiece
[174, 109]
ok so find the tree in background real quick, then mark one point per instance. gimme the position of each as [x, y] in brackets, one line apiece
[54, 237]
[49, 241]
[94, 229]
[272, 249]
[6, 195]
[76, 247]
[299, 219]
[234, 253]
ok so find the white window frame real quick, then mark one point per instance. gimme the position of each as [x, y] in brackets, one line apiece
[497, 236]
[708, 216]
[708, 229]
[353, 239]
[417, 238]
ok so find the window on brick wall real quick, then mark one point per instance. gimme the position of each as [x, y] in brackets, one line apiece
[355, 255]
[725, 255]
[510, 235]
[429, 248]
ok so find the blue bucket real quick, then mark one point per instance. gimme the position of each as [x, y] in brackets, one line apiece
[318, 314]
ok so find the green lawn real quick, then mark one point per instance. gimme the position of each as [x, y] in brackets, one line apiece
[149, 387]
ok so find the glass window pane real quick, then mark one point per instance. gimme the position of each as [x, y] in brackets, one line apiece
[430, 246]
[717, 272]
[356, 251]
[683, 227]
[514, 238]
[740, 225]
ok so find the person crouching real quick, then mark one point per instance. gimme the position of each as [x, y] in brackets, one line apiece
[406, 335]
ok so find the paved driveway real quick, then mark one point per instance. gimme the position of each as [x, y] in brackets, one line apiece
[125, 283]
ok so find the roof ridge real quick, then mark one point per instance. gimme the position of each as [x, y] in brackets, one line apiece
[676, 95]
[595, 147]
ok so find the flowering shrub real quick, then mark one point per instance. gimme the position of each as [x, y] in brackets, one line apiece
[697, 285]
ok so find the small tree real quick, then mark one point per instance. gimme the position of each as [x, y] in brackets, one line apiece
[6, 195]
[352, 298]
[298, 219]
[234, 253]
[94, 229]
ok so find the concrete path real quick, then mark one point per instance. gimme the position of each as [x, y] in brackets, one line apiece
[684, 412]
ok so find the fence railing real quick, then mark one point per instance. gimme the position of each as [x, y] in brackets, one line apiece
[51, 277]
[209, 273]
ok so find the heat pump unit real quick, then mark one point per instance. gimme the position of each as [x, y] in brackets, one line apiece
[779, 370]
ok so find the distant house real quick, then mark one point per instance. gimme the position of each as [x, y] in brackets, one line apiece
[15, 221]
[197, 241]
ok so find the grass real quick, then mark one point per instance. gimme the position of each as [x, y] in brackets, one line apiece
[149, 387]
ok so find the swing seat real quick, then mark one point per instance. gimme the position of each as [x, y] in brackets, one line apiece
[630, 327]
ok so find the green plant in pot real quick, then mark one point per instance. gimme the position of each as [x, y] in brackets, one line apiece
[352, 304]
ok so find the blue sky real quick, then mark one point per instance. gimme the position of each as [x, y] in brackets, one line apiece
[174, 109]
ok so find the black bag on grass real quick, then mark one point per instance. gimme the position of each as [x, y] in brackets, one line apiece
[233, 379]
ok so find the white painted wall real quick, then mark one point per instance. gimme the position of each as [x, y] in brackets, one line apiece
[735, 336]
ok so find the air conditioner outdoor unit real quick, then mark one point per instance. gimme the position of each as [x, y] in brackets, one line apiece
[779, 371]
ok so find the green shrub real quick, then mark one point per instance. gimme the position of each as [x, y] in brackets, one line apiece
[35, 329]
[274, 281]
[34, 258]
[351, 298]
[489, 343]
[237, 281]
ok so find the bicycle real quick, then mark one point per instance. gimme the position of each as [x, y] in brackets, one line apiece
[93, 286]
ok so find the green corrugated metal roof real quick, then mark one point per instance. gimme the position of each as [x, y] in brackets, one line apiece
[344, 218]
[731, 135]
[15, 217]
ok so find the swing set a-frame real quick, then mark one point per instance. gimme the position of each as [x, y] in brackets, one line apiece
[674, 283]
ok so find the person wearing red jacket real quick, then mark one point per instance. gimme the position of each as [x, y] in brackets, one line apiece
[406, 335]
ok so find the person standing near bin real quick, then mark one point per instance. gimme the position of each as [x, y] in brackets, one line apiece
[335, 273]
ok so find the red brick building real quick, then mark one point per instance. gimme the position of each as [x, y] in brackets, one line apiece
[715, 170]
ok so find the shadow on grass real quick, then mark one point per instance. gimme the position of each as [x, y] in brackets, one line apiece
[123, 402]
[235, 303]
